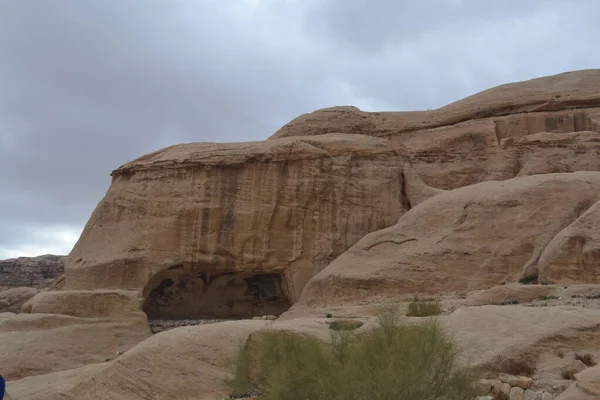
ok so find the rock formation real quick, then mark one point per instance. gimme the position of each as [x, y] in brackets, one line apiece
[34, 272]
[542, 125]
[474, 237]
[22, 278]
[338, 212]
[236, 230]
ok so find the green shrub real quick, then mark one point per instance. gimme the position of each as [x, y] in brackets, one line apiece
[420, 308]
[344, 325]
[388, 362]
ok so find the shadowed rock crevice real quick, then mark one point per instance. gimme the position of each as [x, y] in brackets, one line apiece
[179, 293]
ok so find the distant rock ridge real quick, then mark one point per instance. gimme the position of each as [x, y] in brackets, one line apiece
[23, 277]
[34, 272]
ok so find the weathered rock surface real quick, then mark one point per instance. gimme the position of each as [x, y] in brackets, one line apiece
[35, 272]
[11, 300]
[55, 385]
[236, 230]
[86, 303]
[544, 125]
[184, 363]
[511, 293]
[465, 239]
[37, 344]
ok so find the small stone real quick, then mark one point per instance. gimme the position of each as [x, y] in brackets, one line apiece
[256, 318]
[523, 382]
[574, 368]
[488, 386]
[547, 396]
[270, 317]
[517, 393]
[533, 395]
[118, 353]
[505, 388]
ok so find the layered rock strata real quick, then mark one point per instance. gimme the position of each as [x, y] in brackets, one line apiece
[236, 230]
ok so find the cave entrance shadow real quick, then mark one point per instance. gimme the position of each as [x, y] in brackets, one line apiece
[179, 293]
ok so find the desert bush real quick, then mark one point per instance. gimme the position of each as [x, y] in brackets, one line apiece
[421, 308]
[344, 325]
[586, 358]
[528, 279]
[549, 298]
[500, 396]
[507, 303]
[517, 367]
[388, 362]
[568, 373]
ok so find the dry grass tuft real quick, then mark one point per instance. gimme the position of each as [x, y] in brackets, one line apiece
[586, 358]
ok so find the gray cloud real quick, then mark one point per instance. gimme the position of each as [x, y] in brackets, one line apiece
[88, 85]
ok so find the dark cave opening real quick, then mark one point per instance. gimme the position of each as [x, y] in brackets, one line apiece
[180, 294]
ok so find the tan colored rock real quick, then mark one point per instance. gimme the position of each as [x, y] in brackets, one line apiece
[469, 238]
[574, 368]
[544, 125]
[37, 344]
[517, 393]
[572, 393]
[511, 292]
[55, 385]
[576, 89]
[572, 255]
[236, 229]
[505, 389]
[11, 300]
[488, 335]
[488, 386]
[183, 363]
[533, 395]
[589, 380]
[524, 382]
[87, 304]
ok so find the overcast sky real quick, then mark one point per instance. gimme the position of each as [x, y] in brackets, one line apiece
[87, 85]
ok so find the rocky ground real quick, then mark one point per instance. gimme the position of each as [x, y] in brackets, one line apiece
[164, 325]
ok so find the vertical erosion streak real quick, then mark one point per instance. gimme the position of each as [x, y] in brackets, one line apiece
[196, 220]
[281, 185]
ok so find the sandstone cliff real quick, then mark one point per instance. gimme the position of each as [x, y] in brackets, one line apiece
[525, 228]
[236, 230]
[493, 135]
[332, 199]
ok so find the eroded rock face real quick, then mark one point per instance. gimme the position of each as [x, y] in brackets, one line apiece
[34, 272]
[11, 300]
[545, 125]
[471, 238]
[232, 230]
